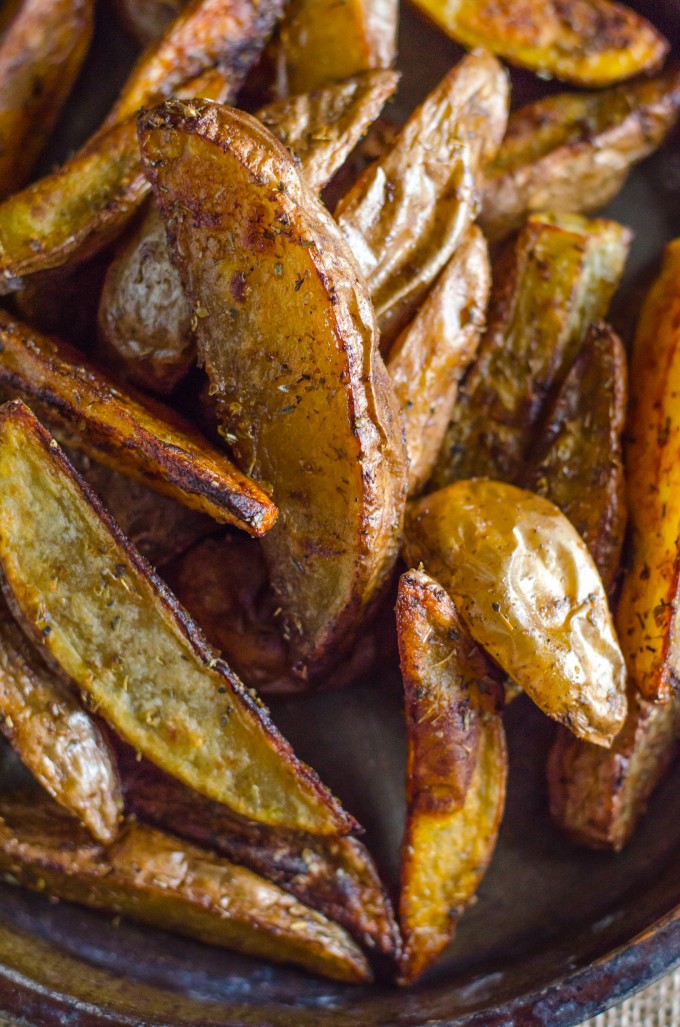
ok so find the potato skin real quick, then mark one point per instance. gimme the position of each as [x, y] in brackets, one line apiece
[573, 151]
[529, 593]
[147, 20]
[588, 42]
[288, 342]
[161, 880]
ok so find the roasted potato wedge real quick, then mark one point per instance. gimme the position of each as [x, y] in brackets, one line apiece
[536, 323]
[147, 20]
[598, 796]
[528, 590]
[322, 40]
[54, 736]
[64, 301]
[578, 462]
[589, 42]
[41, 53]
[304, 398]
[146, 442]
[573, 151]
[647, 618]
[335, 876]
[101, 614]
[431, 355]
[161, 880]
[409, 211]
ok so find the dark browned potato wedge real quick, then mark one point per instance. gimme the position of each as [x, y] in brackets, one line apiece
[288, 341]
[456, 772]
[149, 443]
[529, 592]
[409, 211]
[598, 796]
[161, 880]
[147, 20]
[64, 301]
[536, 323]
[573, 151]
[647, 616]
[54, 736]
[77, 211]
[578, 461]
[431, 355]
[589, 42]
[102, 615]
[145, 320]
[336, 876]
[41, 52]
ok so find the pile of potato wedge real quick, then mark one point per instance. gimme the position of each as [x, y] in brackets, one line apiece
[273, 369]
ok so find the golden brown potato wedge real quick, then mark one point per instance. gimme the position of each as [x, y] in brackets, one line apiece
[598, 796]
[589, 42]
[536, 324]
[322, 40]
[577, 462]
[147, 442]
[573, 151]
[41, 52]
[147, 20]
[288, 339]
[54, 736]
[431, 355]
[647, 613]
[161, 880]
[336, 876]
[102, 615]
[409, 211]
[529, 592]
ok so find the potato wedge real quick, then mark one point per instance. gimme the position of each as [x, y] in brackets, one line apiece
[431, 355]
[536, 323]
[54, 737]
[147, 442]
[41, 53]
[577, 462]
[322, 40]
[409, 211]
[161, 880]
[573, 151]
[304, 398]
[588, 42]
[528, 590]
[102, 615]
[64, 301]
[147, 20]
[597, 796]
[336, 876]
[647, 618]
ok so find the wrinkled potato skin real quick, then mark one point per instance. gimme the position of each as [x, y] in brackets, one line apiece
[588, 42]
[431, 355]
[528, 590]
[101, 614]
[647, 613]
[288, 342]
[147, 20]
[536, 324]
[54, 737]
[335, 876]
[322, 40]
[578, 461]
[41, 53]
[166, 882]
[147, 442]
[408, 212]
[573, 151]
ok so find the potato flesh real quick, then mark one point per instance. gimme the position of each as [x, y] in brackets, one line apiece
[528, 590]
[573, 151]
[303, 395]
[102, 616]
[588, 42]
[431, 355]
[536, 324]
[168, 883]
